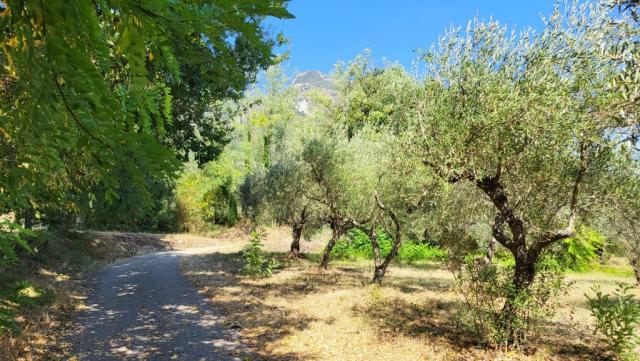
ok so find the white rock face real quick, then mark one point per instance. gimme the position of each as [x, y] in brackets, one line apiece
[302, 105]
[311, 80]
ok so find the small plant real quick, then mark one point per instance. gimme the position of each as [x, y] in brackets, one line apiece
[12, 236]
[617, 317]
[376, 293]
[256, 263]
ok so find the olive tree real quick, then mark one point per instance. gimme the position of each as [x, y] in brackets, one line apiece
[286, 185]
[405, 197]
[530, 121]
[373, 104]
[342, 182]
[277, 187]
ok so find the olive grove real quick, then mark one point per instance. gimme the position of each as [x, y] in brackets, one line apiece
[532, 127]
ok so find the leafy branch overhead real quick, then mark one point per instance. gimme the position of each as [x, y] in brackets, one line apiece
[110, 82]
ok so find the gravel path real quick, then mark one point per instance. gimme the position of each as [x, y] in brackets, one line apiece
[143, 308]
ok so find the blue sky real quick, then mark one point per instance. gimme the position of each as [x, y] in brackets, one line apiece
[325, 31]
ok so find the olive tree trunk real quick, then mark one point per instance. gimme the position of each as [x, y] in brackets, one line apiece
[526, 256]
[336, 232]
[297, 227]
[377, 257]
[296, 234]
[635, 264]
[381, 267]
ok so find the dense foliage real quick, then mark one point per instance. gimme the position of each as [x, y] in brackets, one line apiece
[357, 245]
[86, 102]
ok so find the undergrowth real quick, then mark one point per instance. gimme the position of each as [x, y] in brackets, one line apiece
[357, 245]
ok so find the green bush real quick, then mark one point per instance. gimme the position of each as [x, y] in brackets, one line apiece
[207, 196]
[617, 317]
[484, 288]
[411, 252]
[357, 245]
[256, 263]
[12, 237]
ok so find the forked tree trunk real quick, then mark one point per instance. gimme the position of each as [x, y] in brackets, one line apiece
[381, 270]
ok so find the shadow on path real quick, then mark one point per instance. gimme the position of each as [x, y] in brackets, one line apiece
[144, 308]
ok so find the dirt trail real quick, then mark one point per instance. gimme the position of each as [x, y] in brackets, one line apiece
[144, 308]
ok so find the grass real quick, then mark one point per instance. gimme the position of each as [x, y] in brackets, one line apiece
[616, 266]
[302, 313]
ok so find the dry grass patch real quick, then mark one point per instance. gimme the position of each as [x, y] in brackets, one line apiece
[302, 313]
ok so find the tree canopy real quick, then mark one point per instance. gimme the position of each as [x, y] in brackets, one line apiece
[89, 87]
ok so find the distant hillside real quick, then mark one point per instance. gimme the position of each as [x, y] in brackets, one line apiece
[311, 80]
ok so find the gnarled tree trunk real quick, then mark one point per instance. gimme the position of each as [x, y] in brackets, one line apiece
[525, 257]
[336, 233]
[381, 268]
[296, 234]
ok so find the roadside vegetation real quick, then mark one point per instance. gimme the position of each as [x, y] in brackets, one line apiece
[469, 209]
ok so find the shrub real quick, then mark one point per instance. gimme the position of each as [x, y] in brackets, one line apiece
[12, 237]
[357, 245]
[256, 263]
[485, 286]
[616, 317]
[411, 252]
[207, 196]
